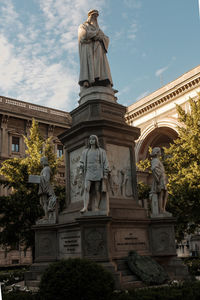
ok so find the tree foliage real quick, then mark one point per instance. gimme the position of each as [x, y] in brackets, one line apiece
[20, 210]
[182, 165]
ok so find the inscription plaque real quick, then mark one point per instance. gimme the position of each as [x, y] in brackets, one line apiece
[126, 240]
[70, 243]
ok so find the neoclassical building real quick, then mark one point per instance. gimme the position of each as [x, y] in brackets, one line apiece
[15, 121]
[156, 113]
[157, 118]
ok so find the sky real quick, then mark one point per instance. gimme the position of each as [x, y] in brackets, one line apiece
[151, 43]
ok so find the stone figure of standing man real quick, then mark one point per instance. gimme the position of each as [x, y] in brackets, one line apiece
[158, 193]
[93, 46]
[46, 192]
[94, 168]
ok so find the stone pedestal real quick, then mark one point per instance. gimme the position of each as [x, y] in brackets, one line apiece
[97, 93]
[162, 237]
[163, 247]
[108, 235]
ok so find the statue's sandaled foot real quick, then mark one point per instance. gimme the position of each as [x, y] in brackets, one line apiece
[84, 209]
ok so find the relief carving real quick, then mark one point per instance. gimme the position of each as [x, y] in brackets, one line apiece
[76, 181]
[120, 179]
[94, 242]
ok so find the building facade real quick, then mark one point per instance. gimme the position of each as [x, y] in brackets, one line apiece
[156, 114]
[157, 118]
[15, 121]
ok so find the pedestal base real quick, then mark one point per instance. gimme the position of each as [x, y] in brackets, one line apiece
[97, 92]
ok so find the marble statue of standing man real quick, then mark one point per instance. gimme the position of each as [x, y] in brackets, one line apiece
[93, 46]
[158, 193]
[94, 167]
[46, 192]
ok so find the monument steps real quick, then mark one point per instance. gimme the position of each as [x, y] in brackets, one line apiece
[128, 279]
[33, 276]
[131, 285]
[33, 284]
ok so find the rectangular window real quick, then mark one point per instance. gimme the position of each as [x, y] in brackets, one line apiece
[15, 144]
[59, 150]
[15, 261]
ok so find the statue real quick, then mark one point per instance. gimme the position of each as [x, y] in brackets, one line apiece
[94, 168]
[46, 192]
[158, 193]
[93, 46]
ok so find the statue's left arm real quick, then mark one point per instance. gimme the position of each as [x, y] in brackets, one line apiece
[104, 39]
[106, 168]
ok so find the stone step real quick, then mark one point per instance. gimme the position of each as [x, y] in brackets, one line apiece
[129, 278]
[123, 267]
[33, 275]
[33, 283]
[132, 284]
[39, 267]
[121, 264]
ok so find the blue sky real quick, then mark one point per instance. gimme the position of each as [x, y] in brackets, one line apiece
[151, 43]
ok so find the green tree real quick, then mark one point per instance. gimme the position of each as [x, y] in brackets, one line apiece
[182, 165]
[20, 210]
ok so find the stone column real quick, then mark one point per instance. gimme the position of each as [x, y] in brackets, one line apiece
[50, 130]
[4, 136]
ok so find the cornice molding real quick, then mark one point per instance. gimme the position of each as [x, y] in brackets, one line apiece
[138, 112]
[14, 107]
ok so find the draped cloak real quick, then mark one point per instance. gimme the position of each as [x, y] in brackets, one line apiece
[93, 60]
[46, 189]
[159, 178]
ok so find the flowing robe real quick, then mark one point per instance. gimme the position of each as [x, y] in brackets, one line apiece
[159, 178]
[46, 191]
[93, 46]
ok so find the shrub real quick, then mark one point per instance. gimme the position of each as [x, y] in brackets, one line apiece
[193, 264]
[179, 291]
[75, 279]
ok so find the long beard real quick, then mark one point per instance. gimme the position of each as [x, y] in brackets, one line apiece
[94, 22]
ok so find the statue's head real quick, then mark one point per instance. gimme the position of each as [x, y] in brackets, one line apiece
[156, 152]
[44, 161]
[93, 139]
[93, 14]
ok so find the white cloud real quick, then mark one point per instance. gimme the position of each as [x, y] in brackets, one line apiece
[161, 71]
[39, 61]
[10, 66]
[132, 32]
[144, 94]
[133, 3]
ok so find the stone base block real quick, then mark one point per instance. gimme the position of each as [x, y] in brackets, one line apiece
[162, 237]
[97, 92]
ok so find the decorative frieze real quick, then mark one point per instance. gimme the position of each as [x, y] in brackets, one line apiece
[178, 92]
